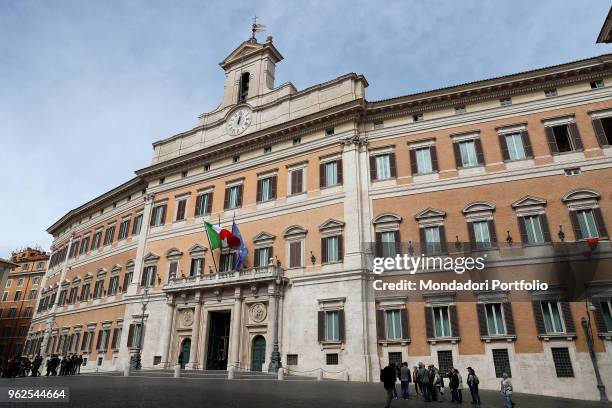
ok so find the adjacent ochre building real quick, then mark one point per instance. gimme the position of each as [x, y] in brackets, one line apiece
[20, 293]
[312, 177]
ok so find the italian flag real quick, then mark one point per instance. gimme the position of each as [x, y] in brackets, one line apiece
[220, 237]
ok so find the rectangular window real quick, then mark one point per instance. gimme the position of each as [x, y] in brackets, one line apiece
[423, 159]
[12, 312]
[203, 204]
[124, 229]
[27, 312]
[172, 269]
[553, 321]
[388, 244]
[181, 205]
[516, 150]
[329, 131]
[561, 138]
[441, 321]
[605, 131]
[109, 235]
[137, 224]
[418, 117]
[267, 188]
[395, 357]
[383, 167]
[23, 331]
[505, 101]
[73, 294]
[84, 245]
[432, 240]
[394, 325]
[332, 249]
[467, 150]
[482, 234]
[127, 279]
[148, 278]
[331, 359]
[20, 282]
[597, 84]
[501, 362]
[4, 296]
[331, 174]
[295, 254]
[95, 244]
[267, 149]
[460, 109]
[98, 289]
[533, 227]
[297, 181]
[606, 308]
[549, 93]
[262, 257]
[332, 326]
[379, 125]
[226, 262]
[495, 320]
[158, 215]
[563, 363]
[445, 360]
[85, 292]
[233, 197]
[9, 283]
[297, 141]
[197, 266]
[17, 296]
[292, 359]
[113, 285]
[586, 221]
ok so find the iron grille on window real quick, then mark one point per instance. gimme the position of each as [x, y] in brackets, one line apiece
[292, 359]
[501, 361]
[331, 359]
[395, 357]
[445, 360]
[563, 364]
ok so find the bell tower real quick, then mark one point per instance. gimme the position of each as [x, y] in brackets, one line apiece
[249, 71]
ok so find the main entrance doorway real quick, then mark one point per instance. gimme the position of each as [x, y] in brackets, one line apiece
[258, 353]
[218, 341]
[185, 351]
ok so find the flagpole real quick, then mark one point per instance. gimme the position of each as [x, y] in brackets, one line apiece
[211, 250]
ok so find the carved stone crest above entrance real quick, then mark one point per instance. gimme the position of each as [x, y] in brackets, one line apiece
[258, 312]
[187, 317]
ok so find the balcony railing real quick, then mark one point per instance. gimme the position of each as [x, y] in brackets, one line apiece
[213, 279]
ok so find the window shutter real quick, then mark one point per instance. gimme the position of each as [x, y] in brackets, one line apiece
[373, 174]
[259, 184]
[163, 216]
[153, 214]
[482, 319]
[471, 234]
[600, 133]
[143, 279]
[454, 321]
[423, 240]
[323, 250]
[539, 319]
[209, 203]
[226, 198]
[504, 149]
[322, 175]
[398, 242]
[114, 342]
[434, 158]
[293, 181]
[340, 170]
[479, 152]
[380, 325]
[405, 325]
[274, 182]
[256, 258]
[545, 229]
[599, 222]
[180, 212]
[299, 176]
[527, 144]
[414, 168]
[270, 254]
[567, 318]
[443, 244]
[98, 342]
[240, 190]
[198, 206]
[523, 230]
[429, 328]
[340, 248]
[378, 244]
[599, 318]
[552, 143]
[576, 225]
[492, 232]
[392, 165]
[105, 345]
[131, 336]
[458, 162]
[342, 332]
[508, 318]
[321, 325]
[125, 283]
[573, 128]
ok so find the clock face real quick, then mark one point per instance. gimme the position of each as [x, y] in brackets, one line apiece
[239, 121]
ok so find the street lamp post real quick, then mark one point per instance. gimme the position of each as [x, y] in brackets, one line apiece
[144, 301]
[588, 331]
[275, 358]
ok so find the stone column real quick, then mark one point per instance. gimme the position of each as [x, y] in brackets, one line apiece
[195, 336]
[142, 244]
[234, 358]
[167, 334]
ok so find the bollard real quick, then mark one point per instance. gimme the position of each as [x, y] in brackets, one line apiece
[127, 367]
[177, 371]
[320, 374]
[346, 376]
[230, 373]
[281, 374]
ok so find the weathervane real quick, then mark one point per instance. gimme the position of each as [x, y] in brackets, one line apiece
[256, 28]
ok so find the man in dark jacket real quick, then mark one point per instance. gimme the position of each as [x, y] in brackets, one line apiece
[388, 377]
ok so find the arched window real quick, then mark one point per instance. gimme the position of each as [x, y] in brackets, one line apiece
[244, 87]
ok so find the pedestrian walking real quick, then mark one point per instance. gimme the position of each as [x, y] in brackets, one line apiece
[459, 386]
[453, 384]
[388, 378]
[79, 363]
[397, 375]
[423, 377]
[472, 381]
[415, 380]
[506, 390]
[405, 379]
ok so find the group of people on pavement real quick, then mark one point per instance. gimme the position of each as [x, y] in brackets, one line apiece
[22, 366]
[429, 383]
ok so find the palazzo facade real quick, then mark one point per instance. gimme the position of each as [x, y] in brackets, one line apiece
[312, 178]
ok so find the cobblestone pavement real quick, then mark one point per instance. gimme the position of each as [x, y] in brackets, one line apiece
[150, 389]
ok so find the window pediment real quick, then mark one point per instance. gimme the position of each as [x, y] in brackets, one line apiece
[116, 269]
[151, 258]
[129, 265]
[264, 239]
[529, 201]
[581, 194]
[101, 272]
[387, 222]
[430, 213]
[295, 231]
[478, 206]
[173, 254]
[197, 250]
[331, 223]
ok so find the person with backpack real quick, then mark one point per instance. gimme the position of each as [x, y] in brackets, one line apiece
[423, 378]
[388, 377]
[506, 390]
[472, 381]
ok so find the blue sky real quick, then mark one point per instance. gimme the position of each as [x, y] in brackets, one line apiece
[87, 86]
